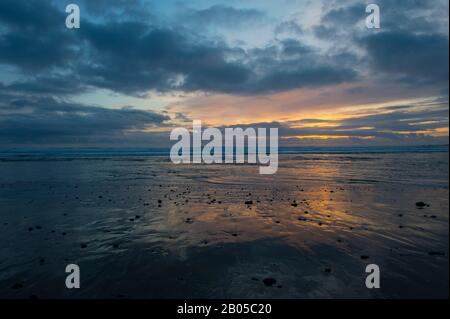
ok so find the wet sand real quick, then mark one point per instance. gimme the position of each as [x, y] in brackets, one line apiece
[141, 227]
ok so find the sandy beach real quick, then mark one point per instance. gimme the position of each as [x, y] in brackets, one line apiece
[142, 227]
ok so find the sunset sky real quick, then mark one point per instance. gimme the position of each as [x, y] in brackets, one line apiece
[136, 69]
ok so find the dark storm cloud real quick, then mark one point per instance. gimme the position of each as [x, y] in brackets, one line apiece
[31, 36]
[414, 15]
[421, 56]
[47, 120]
[411, 47]
[134, 57]
[57, 85]
[341, 19]
[34, 53]
[29, 14]
[122, 47]
[131, 58]
[224, 16]
[302, 76]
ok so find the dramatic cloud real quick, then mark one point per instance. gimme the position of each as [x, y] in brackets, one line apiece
[411, 46]
[32, 37]
[396, 124]
[223, 63]
[419, 57]
[224, 16]
[49, 121]
[134, 57]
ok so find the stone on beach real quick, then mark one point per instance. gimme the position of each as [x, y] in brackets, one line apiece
[422, 204]
[269, 282]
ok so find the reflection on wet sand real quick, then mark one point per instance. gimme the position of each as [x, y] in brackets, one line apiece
[142, 227]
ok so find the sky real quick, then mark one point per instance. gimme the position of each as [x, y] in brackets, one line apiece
[136, 69]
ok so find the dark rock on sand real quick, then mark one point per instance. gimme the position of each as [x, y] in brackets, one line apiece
[269, 282]
[84, 245]
[364, 257]
[249, 202]
[422, 205]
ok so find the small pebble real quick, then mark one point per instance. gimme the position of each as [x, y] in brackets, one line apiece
[364, 257]
[269, 282]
